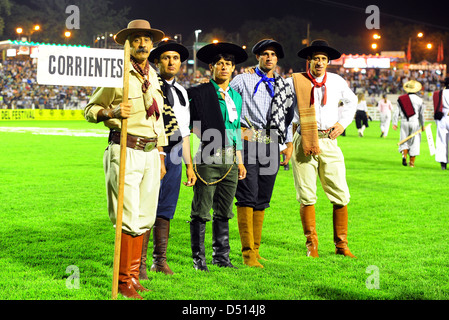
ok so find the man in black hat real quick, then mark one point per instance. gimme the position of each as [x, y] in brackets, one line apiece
[215, 116]
[167, 57]
[266, 115]
[318, 94]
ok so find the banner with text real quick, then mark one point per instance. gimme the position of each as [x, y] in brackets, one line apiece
[41, 114]
[85, 67]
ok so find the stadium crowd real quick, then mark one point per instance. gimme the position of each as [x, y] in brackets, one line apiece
[19, 89]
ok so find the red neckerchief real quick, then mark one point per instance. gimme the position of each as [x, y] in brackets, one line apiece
[318, 85]
[153, 109]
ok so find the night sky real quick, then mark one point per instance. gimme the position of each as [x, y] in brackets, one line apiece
[343, 17]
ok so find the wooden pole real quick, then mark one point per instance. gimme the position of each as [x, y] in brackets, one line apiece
[121, 179]
[412, 135]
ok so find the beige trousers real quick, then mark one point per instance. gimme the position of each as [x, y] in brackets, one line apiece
[329, 166]
[141, 190]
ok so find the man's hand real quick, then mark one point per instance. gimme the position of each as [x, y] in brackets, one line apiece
[191, 176]
[336, 130]
[162, 157]
[242, 171]
[122, 111]
[288, 153]
[395, 127]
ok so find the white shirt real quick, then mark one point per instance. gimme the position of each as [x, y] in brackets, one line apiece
[328, 115]
[445, 99]
[418, 105]
[182, 113]
[362, 106]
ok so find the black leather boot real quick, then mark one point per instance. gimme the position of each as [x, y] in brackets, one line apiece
[220, 243]
[197, 234]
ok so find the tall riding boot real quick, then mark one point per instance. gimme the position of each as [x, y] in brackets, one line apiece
[220, 243]
[143, 259]
[258, 216]
[197, 235]
[136, 254]
[125, 284]
[161, 231]
[245, 222]
[412, 161]
[404, 157]
[340, 217]
[308, 224]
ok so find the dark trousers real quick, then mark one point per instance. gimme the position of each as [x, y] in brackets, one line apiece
[219, 196]
[262, 165]
[361, 119]
[170, 184]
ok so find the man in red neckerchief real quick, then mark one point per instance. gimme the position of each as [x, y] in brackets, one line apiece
[317, 94]
[146, 138]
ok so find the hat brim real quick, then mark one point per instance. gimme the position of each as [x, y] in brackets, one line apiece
[123, 34]
[208, 52]
[332, 53]
[260, 46]
[179, 48]
[416, 88]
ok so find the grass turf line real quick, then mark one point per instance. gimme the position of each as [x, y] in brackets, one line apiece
[53, 216]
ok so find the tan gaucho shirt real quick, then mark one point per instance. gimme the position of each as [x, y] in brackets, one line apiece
[138, 122]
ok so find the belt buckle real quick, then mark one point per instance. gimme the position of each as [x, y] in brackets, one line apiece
[149, 146]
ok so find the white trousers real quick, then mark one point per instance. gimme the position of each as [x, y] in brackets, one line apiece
[141, 189]
[385, 119]
[413, 145]
[441, 145]
[329, 166]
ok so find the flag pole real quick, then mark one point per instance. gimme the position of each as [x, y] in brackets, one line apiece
[412, 135]
[121, 179]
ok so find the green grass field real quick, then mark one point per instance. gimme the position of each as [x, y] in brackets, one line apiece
[53, 220]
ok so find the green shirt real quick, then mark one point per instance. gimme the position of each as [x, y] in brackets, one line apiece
[233, 130]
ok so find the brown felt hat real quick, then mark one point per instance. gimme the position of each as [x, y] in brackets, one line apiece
[138, 26]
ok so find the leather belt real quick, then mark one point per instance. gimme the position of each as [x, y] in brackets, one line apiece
[321, 133]
[134, 142]
[256, 135]
[324, 133]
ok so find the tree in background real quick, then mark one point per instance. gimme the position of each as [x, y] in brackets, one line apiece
[96, 17]
[5, 10]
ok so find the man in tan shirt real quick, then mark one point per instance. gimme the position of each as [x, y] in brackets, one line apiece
[146, 137]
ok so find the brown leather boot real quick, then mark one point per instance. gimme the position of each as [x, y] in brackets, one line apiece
[258, 216]
[161, 231]
[308, 224]
[412, 161]
[125, 284]
[340, 219]
[136, 254]
[245, 222]
[143, 259]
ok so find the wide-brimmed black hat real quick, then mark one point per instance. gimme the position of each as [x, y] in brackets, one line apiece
[262, 44]
[169, 45]
[319, 45]
[138, 26]
[208, 52]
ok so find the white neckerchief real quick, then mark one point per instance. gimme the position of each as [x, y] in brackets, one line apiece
[230, 105]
